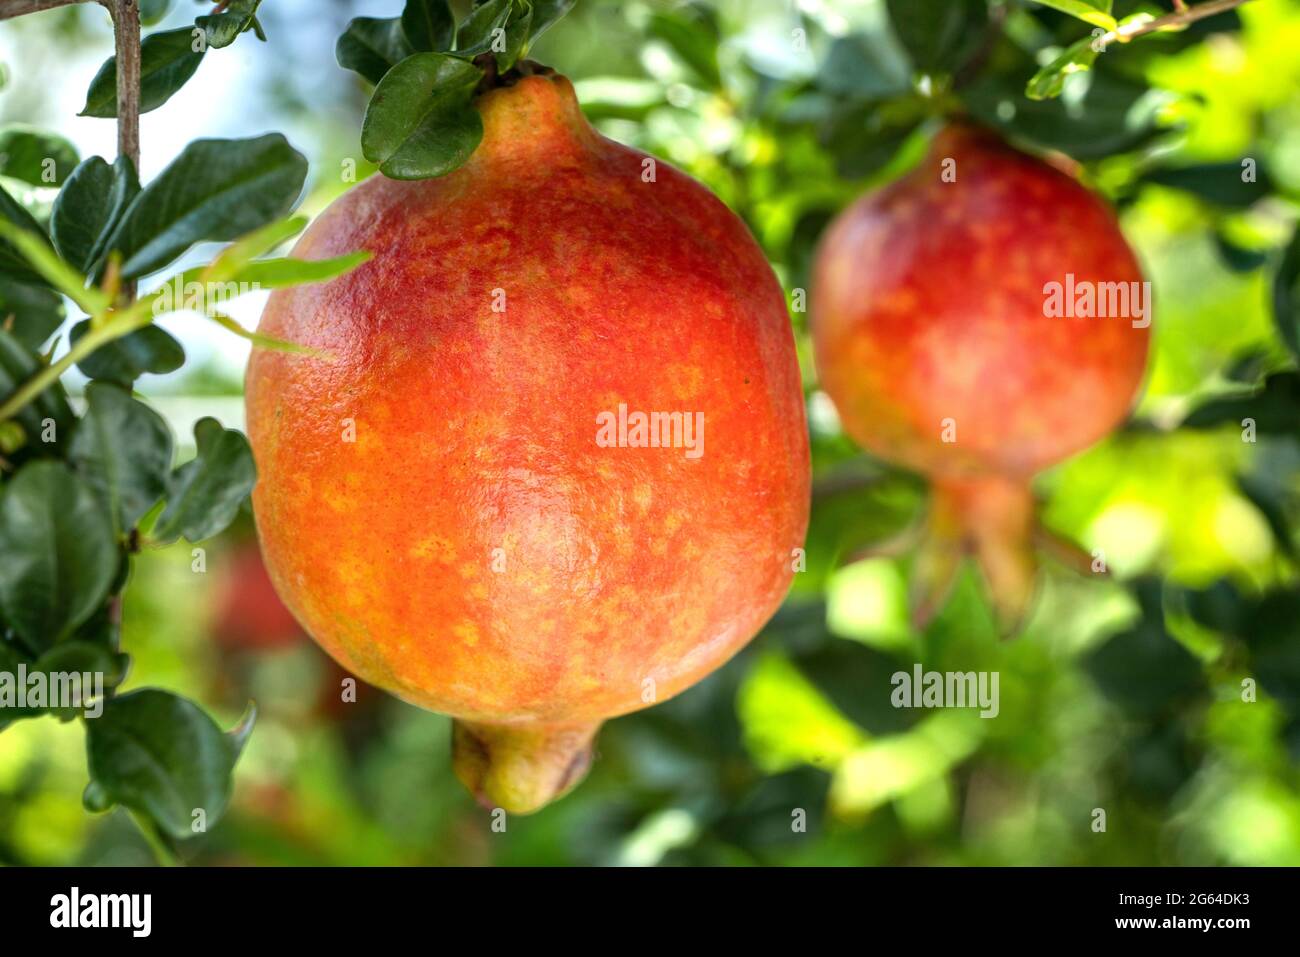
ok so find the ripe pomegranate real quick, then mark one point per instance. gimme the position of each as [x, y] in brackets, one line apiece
[940, 338]
[453, 508]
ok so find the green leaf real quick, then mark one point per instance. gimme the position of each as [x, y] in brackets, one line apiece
[162, 756]
[13, 263]
[428, 25]
[1096, 12]
[122, 361]
[204, 494]
[222, 29]
[57, 552]
[153, 11]
[89, 207]
[545, 14]
[167, 60]
[516, 38]
[276, 273]
[215, 190]
[17, 365]
[29, 313]
[691, 32]
[477, 32]
[1274, 409]
[1144, 670]
[1223, 184]
[939, 35]
[421, 121]
[35, 156]
[123, 448]
[83, 657]
[1286, 296]
[372, 47]
[865, 65]
[1050, 80]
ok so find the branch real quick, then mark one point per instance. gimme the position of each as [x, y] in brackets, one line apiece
[20, 8]
[126, 35]
[1170, 21]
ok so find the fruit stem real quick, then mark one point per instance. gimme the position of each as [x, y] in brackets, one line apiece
[991, 517]
[521, 767]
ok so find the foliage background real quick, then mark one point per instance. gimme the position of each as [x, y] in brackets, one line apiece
[1122, 694]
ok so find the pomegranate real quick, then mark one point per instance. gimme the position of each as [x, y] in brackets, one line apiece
[498, 501]
[962, 325]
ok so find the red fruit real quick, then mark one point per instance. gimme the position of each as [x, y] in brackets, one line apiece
[475, 550]
[249, 614]
[932, 333]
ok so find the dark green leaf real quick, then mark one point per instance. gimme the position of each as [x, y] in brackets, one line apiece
[1286, 296]
[215, 190]
[691, 32]
[477, 32]
[204, 494]
[428, 25]
[865, 65]
[167, 60]
[1229, 184]
[372, 47]
[545, 14]
[123, 448]
[222, 29]
[12, 262]
[29, 313]
[1274, 409]
[421, 121]
[516, 38]
[152, 11]
[122, 361]
[57, 553]
[89, 207]
[939, 35]
[34, 156]
[162, 756]
[83, 657]
[49, 413]
[1144, 670]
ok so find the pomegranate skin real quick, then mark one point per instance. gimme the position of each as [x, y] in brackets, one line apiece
[475, 551]
[928, 307]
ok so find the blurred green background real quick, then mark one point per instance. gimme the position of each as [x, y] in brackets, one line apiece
[1124, 694]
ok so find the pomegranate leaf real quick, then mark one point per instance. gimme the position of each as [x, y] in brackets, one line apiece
[31, 313]
[205, 493]
[34, 156]
[57, 553]
[428, 25]
[88, 208]
[477, 32]
[122, 361]
[123, 448]
[167, 60]
[162, 756]
[222, 29]
[215, 190]
[372, 47]
[939, 35]
[1096, 12]
[17, 365]
[421, 122]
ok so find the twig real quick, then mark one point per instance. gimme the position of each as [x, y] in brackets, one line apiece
[20, 8]
[1169, 21]
[126, 34]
